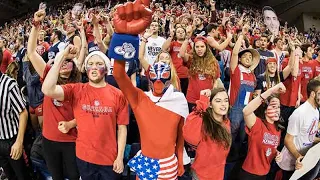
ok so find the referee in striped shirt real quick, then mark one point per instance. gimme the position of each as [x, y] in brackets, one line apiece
[13, 121]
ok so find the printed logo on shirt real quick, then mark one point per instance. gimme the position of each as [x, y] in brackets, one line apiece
[264, 84]
[96, 109]
[270, 139]
[201, 77]
[176, 48]
[268, 152]
[249, 83]
[264, 57]
[153, 50]
[127, 50]
[317, 68]
[57, 103]
[40, 49]
[203, 33]
[51, 55]
[94, 48]
[110, 72]
[313, 130]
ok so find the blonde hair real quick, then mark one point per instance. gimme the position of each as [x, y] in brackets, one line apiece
[174, 76]
[204, 65]
[11, 69]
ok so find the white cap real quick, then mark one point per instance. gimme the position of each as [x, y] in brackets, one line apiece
[99, 53]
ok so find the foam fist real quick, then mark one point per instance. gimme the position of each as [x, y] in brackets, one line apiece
[133, 17]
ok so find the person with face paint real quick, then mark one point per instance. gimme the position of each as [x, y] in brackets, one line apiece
[242, 85]
[204, 70]
[102, 115]
[161, 138]
[301, 134]
[263, 134]
[59, 132]
[207, 129]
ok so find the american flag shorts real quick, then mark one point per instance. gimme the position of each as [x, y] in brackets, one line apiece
[154, 169]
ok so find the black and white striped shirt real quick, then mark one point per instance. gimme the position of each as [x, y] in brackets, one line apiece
[11, 105]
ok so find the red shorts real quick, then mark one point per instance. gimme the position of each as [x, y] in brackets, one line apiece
[37, 111]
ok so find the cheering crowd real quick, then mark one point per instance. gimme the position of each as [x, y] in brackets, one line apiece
[157, 90]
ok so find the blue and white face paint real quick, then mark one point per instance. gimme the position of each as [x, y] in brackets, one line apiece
[160, 77]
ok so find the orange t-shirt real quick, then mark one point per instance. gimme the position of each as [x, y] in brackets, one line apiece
[98, 111]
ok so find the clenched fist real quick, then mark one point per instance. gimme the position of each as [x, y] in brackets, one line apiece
[133, 17]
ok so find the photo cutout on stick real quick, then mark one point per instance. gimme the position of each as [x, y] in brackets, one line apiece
[271, 20]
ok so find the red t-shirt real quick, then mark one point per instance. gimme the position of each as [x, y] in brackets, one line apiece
[316, 65]
[179, 64]
[263, 140]
[210, 157]
[54, 112]
[6, 60]
[42, 48]
[307, 73]
[290, 97]
[200, 82]
[235, 79]
[98, 111]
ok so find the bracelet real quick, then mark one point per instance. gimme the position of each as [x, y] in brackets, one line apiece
[144, 40]
[262, 99]
[36, 23]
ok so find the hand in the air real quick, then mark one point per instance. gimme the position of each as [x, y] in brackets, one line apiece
[132, 17]
[70, 52]
[39, 15]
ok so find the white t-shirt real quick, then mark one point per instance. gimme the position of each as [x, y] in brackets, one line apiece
[110, 70]
[303, 125]
[153, 48]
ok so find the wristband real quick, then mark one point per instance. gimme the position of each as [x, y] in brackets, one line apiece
[36, 23]
[124, 47]
[262, 99]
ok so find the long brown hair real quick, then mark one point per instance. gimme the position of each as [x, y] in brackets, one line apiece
[206, 65]
[213, 128]
[267, 77]
[74, 77]
[12, 70]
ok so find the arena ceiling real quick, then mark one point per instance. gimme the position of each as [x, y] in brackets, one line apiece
[291, 10]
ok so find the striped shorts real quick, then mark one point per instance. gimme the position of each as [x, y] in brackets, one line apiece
[154, 169]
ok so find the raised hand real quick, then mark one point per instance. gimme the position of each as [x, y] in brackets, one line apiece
[39, 15]
[279, 88]
[133, 17]
[148, 33]
[206, 92]
[245, 29]
[70, 52]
